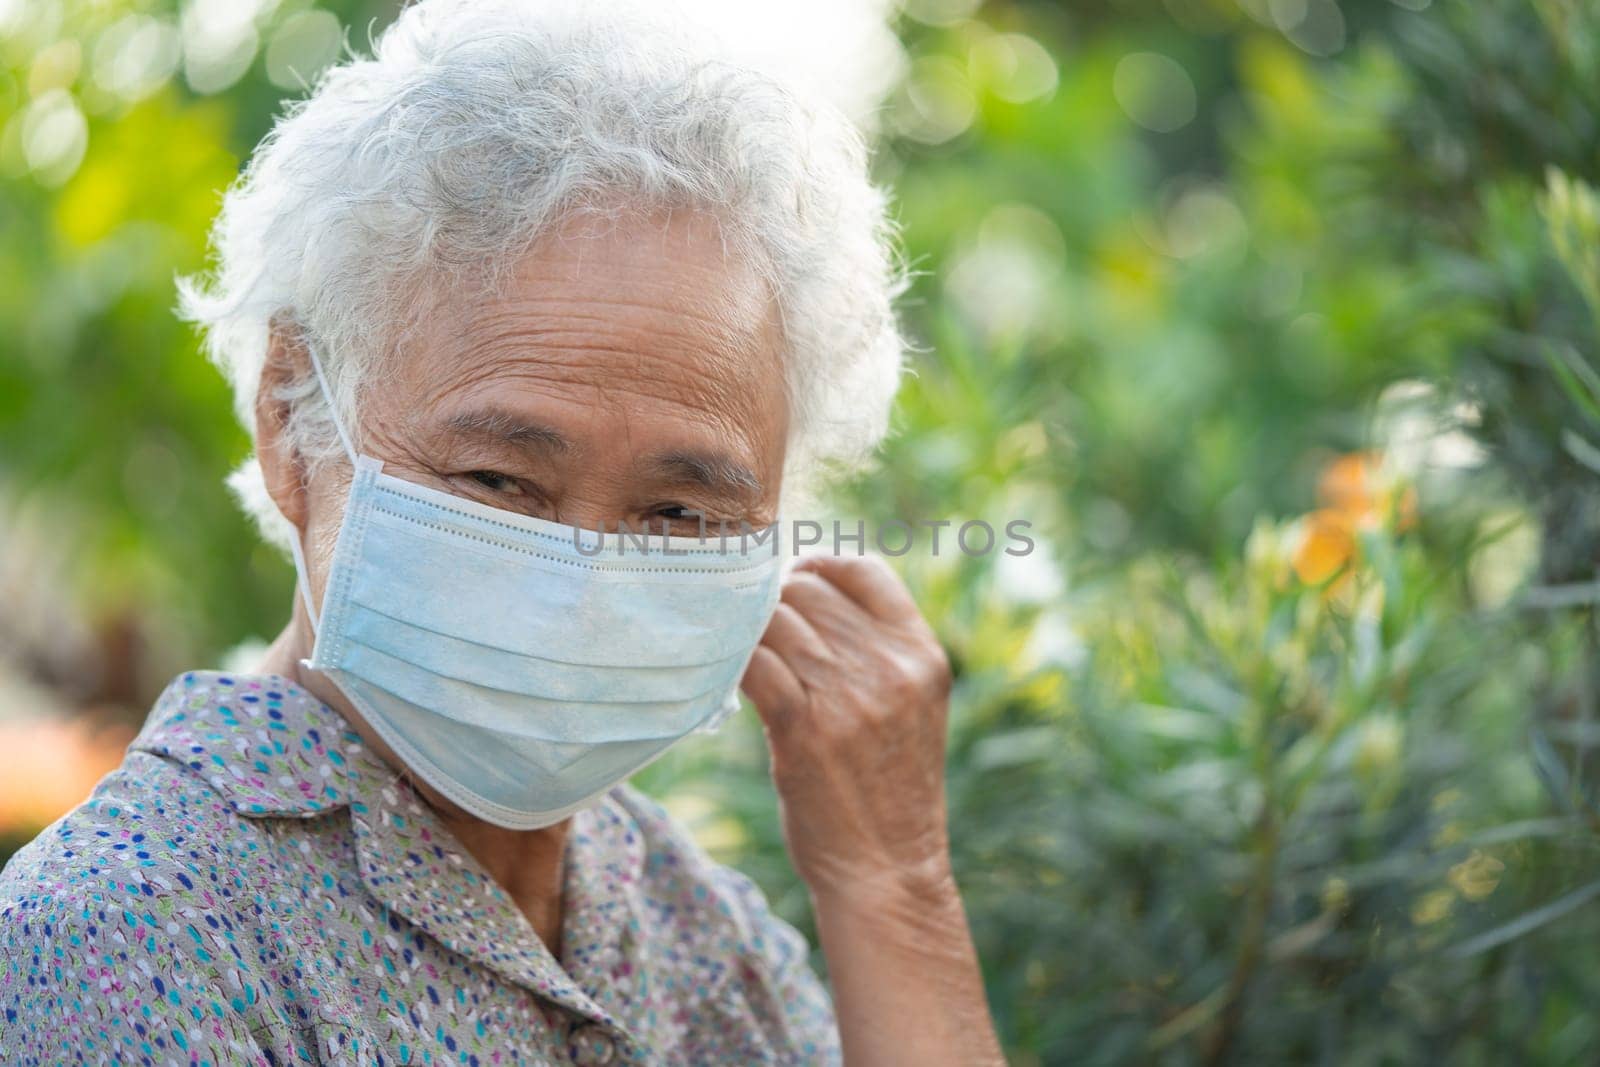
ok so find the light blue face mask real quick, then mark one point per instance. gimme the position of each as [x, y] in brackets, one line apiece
[522, 667]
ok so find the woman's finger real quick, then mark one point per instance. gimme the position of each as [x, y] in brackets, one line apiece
[792, 637]
[772, 687]
[868, 581]
[822, 604]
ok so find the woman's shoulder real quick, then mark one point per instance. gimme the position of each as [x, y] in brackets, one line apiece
[128, 838]
[101, 920]
[168, 830]
[149, 853]
[181, 814]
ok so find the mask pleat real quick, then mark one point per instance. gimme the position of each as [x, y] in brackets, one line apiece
[518, 676]
[542, 775]
[612, 623]
[537, 676]
[519, 714]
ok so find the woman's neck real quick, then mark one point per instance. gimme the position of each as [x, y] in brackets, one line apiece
[528, 864]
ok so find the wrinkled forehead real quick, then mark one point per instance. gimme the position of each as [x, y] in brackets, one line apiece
[649, 317]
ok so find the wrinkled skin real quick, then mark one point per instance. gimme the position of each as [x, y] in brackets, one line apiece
[634, 374]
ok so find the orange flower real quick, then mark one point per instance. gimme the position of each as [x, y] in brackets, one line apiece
[1357, 485]
[48, 765]
[1357, 492]
[1327, 545]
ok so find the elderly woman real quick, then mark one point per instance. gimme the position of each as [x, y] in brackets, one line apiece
[530, 273]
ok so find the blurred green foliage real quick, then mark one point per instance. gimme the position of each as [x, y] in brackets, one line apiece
[1265, 755]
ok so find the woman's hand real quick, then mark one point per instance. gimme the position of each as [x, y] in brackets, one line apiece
[854, 690]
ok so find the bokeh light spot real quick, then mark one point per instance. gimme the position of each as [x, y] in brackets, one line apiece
[55, 67]
[941, 12]
[219, 43]
[935, 104]
[1154, 91]
[54, 137]
[1014, 67]
[135, 55]
[1315, 26]
[301, 48]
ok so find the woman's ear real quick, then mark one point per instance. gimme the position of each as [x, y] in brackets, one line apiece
[281, 465]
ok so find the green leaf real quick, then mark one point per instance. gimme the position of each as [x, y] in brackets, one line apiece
[1526, 924]
[1581, 450]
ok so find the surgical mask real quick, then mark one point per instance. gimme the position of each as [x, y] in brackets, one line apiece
[522, 667]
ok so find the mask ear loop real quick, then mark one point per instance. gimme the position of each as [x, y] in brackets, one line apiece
[302, 581]
[333, 409]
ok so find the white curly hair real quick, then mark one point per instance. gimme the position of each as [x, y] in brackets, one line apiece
[475, 127]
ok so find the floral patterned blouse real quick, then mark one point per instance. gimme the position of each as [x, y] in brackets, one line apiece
[253, 886]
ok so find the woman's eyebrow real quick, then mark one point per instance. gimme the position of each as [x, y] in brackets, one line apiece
[508, 427]
[707, 470]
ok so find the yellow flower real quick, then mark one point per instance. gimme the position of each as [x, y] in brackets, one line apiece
[1476, 876]
[1336, 896]
[1432, 907]
[1268, 553]
[1378, 745]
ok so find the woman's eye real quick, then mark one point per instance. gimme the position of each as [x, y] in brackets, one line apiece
[500, 483]
[679, 520]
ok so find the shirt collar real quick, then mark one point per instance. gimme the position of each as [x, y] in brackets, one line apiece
[272, 750]
[268, 747]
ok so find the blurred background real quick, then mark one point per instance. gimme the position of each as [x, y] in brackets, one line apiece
[1276, 318]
